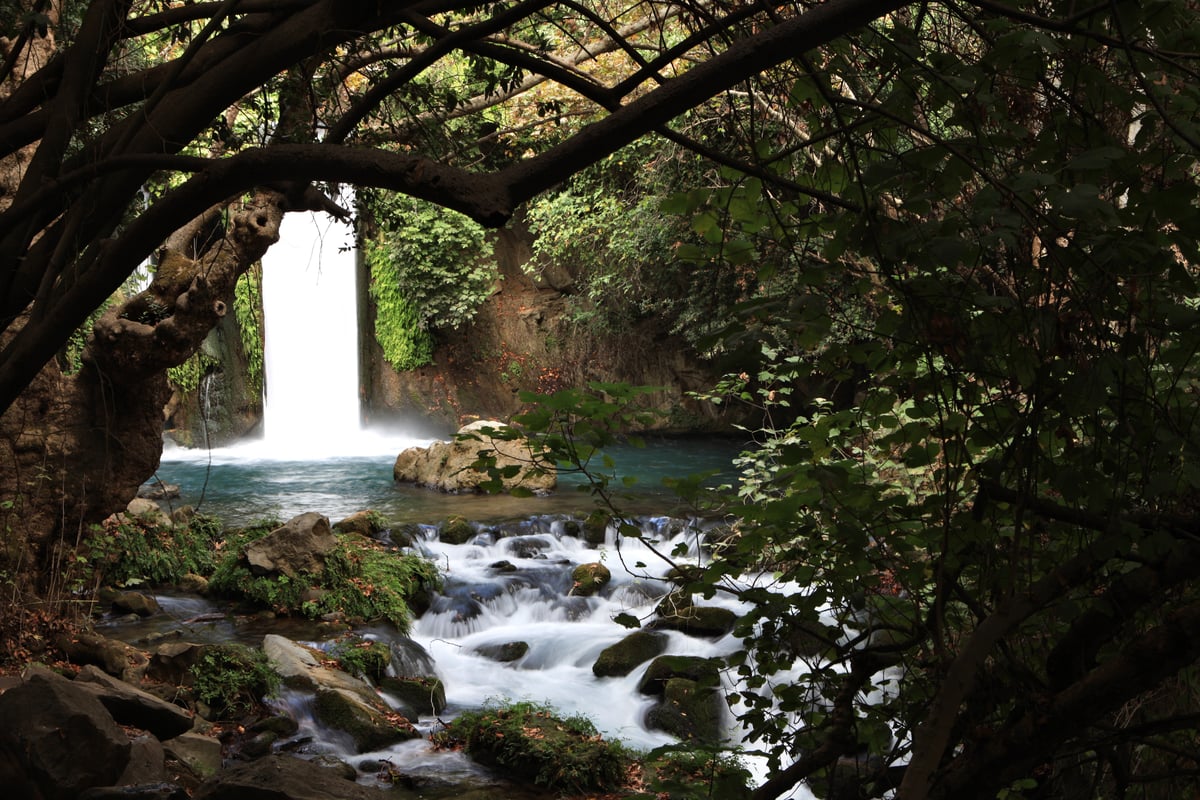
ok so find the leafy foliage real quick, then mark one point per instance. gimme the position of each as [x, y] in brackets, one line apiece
[131, 550]
[366, 658]
[361, 579]
[247, 305]
[528, 740]
[233, 678]
[430, 268]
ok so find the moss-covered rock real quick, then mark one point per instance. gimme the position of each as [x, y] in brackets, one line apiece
[365, 523]
[370, 727]
[456, 530]
[705, 621]
[531, 743]
[417, 695]
[704, 671]
[595, 528]
[689, 711]
[588, 579]
[636, 648]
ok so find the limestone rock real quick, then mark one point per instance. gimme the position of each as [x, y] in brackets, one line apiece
[300, 545]
[277, 777]
[148, 510]
[130, 705]
[446, 466]
[201, 754]
[56, 739]
[300, 668]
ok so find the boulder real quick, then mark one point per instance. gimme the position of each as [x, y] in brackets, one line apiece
[636, 648]
[199, 753]
[139, 603]
[147, 765]
[364, 523]
[130, 705]
[503, 652]
[446, 466]
[116, 658]
[342, 702]
[171, 662]
[456, 530]
[416, 696]
[689, 711]
[588, 579]
[300, 545]
[280, 777]
[703, 671]
[677, 613]
[300, 667]
[56, 739]
[368, 723]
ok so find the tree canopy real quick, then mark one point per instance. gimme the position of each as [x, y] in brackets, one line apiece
[978, 216]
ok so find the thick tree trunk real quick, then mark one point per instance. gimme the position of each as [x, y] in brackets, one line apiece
[74, 448]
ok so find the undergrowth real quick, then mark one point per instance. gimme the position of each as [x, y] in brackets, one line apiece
[564, 754]
[361, 579]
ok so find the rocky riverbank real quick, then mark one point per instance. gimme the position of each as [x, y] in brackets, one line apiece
[143, 708]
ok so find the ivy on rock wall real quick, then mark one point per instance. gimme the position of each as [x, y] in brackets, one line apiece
[247, 306]
[430, 268]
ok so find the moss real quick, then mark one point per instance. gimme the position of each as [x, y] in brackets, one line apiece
[233, 678]
[131, 550]
[456, 530]
[636, 648]
[361, 579]
[365, 658]
[697, 775]
[589, 579]
[531, 743]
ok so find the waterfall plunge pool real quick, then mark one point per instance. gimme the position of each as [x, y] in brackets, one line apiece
[250, 482]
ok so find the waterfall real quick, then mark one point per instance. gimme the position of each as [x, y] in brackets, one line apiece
[311, 337]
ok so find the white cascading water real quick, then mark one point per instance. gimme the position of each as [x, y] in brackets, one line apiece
[528, 600]
[311, 337]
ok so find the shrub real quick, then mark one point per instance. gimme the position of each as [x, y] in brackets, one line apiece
[361, 578]
[233, 677]
[363, 657]
[528, 740]
[696, 775]
[129, 550]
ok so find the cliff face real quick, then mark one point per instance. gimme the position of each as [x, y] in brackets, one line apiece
[523, 339]
[224, 407]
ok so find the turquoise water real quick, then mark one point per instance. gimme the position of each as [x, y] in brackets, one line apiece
[244, 485]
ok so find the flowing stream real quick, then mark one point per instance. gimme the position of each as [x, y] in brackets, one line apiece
[510, 583]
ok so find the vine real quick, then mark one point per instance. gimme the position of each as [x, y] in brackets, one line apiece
[430, 268]
[247, 307]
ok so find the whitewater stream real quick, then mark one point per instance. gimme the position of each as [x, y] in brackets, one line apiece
[510, 583]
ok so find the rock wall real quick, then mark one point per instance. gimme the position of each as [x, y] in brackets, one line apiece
[523, 339]
[225, 407]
